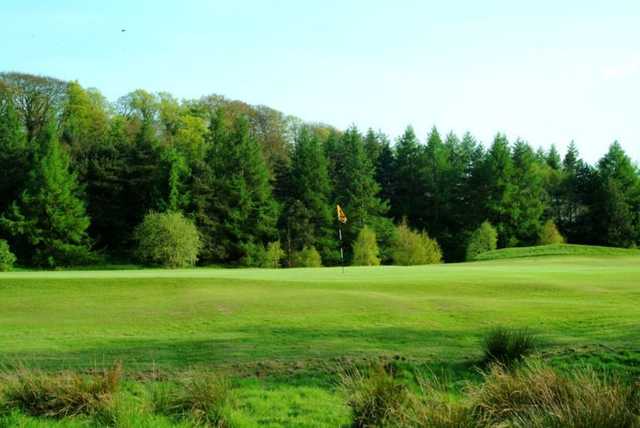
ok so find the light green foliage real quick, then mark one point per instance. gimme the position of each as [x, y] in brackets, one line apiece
[414, 248]
[7, 258]
[550, 235]
[274, 255]
[307, 257]
[483, 239]
[365, 248]
[256, 255]
[167, 239]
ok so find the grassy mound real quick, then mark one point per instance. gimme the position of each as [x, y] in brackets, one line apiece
[556, 250]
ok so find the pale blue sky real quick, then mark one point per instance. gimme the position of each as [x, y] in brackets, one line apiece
[546, 71]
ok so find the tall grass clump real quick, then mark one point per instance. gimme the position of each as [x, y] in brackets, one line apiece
[202, 399]
[508, 346]
[60, 395]
[375, 396]
[534, 395]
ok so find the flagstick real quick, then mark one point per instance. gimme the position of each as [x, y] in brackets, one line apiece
[341, 251]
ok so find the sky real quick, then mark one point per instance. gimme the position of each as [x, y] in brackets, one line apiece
[547, 71]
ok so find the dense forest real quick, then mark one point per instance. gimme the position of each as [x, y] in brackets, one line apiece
[79, 174]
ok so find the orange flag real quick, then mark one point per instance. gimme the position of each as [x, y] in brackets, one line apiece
[342, 217]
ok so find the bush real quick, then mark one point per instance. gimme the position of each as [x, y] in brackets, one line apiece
[307, 257]
[365, 248]
[483, 239]
[539, 396]
[550, 235]
[506, 347]
[273, 255]
[256, 255]
[376, 397]
[7, 259]
[167, 239]
[202, 399]
[414, 248]
[60, 395]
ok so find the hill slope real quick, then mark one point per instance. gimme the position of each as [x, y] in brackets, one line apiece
[556, 250]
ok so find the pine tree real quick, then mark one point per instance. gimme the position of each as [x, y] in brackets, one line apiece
[528, 202]
[356, 188]
[408, 196]
[50, 216]
[310, 186]
[14, 154]
[384, 171]
[233, 201]
[500, 189]
[615, 212]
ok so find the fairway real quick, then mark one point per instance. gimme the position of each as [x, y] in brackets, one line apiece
[175, 319]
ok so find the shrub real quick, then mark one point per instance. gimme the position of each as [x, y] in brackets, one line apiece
[201, 398]
[307, 257]
[60, 395]
[365, 248]
[414, 248]
[375, 396]
[256, 255]
[7, 259]
[506, 347]
[538, 396]
[167, 239]
[550, 235]
[483, 239]
[273, 255]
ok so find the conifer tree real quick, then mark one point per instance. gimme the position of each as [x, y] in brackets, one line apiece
[234, 205]
[407, 199]
[528, 203]
[50, 216]
[616, 219]
[14, 154]
[500, 192]
[355, 186]
[310, 187]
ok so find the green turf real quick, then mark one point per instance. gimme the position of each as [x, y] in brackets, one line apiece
[557, 250]
[280, 323]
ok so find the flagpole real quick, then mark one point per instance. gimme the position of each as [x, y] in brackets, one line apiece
[341, 250]
[342, 219]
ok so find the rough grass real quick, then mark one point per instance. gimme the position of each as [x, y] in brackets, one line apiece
[36, 393]
[556, 250]
[201, 398]
[508, 346]
[538, 396]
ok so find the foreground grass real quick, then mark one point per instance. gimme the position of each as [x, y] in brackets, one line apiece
[278, 332]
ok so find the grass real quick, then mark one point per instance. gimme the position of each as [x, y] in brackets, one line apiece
[556, 250]
[278, 332]
[507, 347]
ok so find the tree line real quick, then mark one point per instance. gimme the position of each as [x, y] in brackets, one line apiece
[79, 174]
